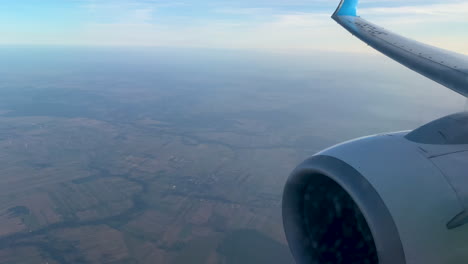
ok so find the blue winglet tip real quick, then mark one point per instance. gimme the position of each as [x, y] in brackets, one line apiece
[347, 8]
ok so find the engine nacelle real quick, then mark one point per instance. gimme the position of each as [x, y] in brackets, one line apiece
[390, 198]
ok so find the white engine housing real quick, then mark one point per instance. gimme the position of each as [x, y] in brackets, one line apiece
[411, 188]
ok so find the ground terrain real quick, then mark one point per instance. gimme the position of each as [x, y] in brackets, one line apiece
[145, 157]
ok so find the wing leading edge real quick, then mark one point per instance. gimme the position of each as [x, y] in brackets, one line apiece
[445, 67]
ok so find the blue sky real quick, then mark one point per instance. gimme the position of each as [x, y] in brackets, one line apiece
[279, 25]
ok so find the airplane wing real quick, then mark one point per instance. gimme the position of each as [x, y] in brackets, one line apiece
[390, 198]
[445, 67]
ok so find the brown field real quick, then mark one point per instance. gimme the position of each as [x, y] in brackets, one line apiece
[128, 194]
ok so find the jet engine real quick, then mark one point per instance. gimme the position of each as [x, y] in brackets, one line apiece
[390, 198]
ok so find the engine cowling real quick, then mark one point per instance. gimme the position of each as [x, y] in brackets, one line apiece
[391, 198]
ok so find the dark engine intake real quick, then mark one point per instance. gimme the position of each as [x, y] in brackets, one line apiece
[324, 210]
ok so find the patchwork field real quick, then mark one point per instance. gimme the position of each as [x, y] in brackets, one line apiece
[113, 155]
[83, 190]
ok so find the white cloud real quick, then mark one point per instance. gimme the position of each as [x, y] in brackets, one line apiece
[301, 20]
[128, 22]
[448, 11]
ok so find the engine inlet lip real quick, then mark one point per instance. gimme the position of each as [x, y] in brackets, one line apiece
[380, 221]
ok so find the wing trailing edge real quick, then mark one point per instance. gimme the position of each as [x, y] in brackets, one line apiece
[445, 67]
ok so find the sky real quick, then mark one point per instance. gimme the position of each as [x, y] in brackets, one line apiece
[270, 25]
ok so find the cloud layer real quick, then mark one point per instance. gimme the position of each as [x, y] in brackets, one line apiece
[280, 25]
